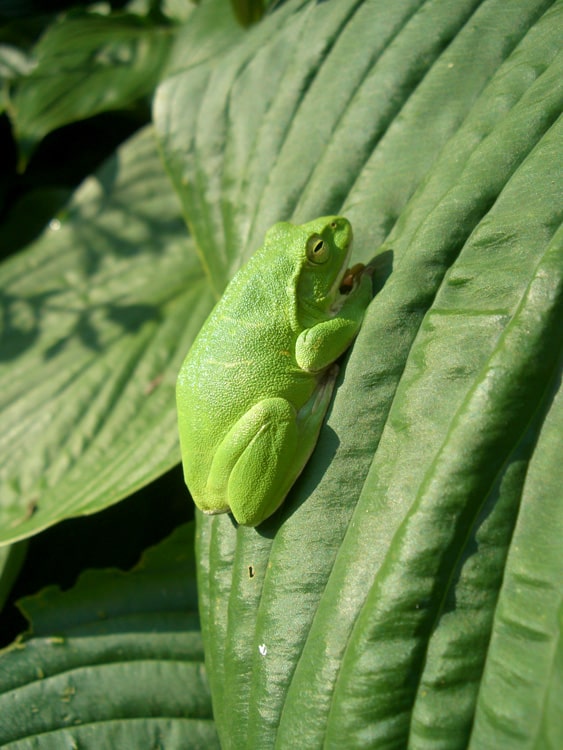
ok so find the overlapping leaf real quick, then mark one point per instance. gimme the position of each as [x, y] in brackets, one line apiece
[116, 661]
[87, 64]
[11, 559]
[96, 318]
[360, 615]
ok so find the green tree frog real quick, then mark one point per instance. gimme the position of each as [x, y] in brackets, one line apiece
[255, 386]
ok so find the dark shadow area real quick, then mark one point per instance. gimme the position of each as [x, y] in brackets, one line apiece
[113, 538]
[61, 161]
[129, 317]
[10, 9]
[382, 265]
[15, 339]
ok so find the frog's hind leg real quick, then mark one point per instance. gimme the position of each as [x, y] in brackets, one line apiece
[250, 465]
[265, 452]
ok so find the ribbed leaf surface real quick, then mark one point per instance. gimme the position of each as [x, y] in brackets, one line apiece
[116, 661]
[96, 317]
[364, 613]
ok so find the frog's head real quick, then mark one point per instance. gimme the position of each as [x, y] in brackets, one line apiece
[325, 247]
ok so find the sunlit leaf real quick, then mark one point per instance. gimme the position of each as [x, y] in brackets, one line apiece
[96, 317]
[360, 615]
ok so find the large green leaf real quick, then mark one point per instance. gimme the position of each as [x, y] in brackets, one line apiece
[13, 63]
[88, 63]
[525, 659]
[360, 615]
[96, 317]
[115, 662]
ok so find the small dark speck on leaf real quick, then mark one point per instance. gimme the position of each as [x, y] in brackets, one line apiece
[153, 385]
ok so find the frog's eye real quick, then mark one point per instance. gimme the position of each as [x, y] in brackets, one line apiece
[317, 249]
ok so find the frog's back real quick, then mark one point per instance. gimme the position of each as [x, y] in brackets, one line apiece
[244, 352]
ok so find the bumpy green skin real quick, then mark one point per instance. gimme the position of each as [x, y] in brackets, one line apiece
[255, 386]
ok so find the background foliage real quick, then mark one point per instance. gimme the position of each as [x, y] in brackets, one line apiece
[409, 592]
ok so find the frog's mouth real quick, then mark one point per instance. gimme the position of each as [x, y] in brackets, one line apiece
[345, 282]
[335, 292]
[350, 278]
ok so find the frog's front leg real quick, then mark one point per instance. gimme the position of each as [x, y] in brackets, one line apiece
[264, 452]
[320, 345]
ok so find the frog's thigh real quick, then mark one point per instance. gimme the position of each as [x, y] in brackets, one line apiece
[267, 450]
[252, 462]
